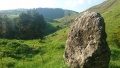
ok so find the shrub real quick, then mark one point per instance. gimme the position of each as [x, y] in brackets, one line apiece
[3, 42]
[20, 51]
[7, 63]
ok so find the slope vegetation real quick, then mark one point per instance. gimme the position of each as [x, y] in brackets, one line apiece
[48, 52]
[51, 13]
[103, 6]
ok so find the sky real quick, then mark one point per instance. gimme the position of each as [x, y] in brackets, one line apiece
[75, 5]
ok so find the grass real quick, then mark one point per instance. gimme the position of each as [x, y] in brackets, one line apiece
[110, 11]
[112, 19]
[51, 48]
[50, 55]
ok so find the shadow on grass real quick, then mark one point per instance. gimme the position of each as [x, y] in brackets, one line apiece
[114, 66]
[115, 54]
[115, 58]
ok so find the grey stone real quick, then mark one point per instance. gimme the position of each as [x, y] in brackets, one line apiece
[86, 46]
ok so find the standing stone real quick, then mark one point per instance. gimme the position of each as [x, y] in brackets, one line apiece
[86, 46]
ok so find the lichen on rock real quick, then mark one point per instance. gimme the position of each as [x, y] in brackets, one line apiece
[86, 46]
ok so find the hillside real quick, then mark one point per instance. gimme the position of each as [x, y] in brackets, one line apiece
[54, 13]
[110, 11]
[48, 52]
[68, 20]
[51, 13]
[103, 7]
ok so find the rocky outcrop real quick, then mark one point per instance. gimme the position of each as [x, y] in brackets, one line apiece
[86, 46]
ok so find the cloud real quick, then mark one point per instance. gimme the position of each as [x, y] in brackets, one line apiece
[77, 5]
[37, 3]
[89, 1]
[13, 4]
[74, 2]
[44, 3]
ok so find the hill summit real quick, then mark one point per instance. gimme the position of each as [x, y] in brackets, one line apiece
[51, 13]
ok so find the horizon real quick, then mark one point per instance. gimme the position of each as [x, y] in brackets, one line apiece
[78, 5]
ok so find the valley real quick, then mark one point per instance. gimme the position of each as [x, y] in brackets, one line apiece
[47, 52]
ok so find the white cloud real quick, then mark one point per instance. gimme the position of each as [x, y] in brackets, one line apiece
[74, 2]
[89, 1]
[43, 3]
[77, 5]
[13, 4]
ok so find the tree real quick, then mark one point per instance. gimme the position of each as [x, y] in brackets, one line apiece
[5, 27]
[38, 25]
[1, 27]
[30, 25]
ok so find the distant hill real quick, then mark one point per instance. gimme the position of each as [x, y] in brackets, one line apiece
[105, 6]
[51, 13]
[54, 13]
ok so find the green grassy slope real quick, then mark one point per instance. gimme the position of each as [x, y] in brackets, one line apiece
[68, 20]
[112, 19]
[110, 11]
[50, 53]
[103, 7]
[46, 53]
[51, 48]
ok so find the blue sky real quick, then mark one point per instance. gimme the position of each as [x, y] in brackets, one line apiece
[76, 5]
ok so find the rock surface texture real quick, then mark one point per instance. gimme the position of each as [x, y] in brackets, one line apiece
[86, 46]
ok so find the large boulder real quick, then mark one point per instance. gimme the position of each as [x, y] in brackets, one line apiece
[86, 46]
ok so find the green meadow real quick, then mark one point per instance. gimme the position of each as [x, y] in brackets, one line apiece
[48, 51]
